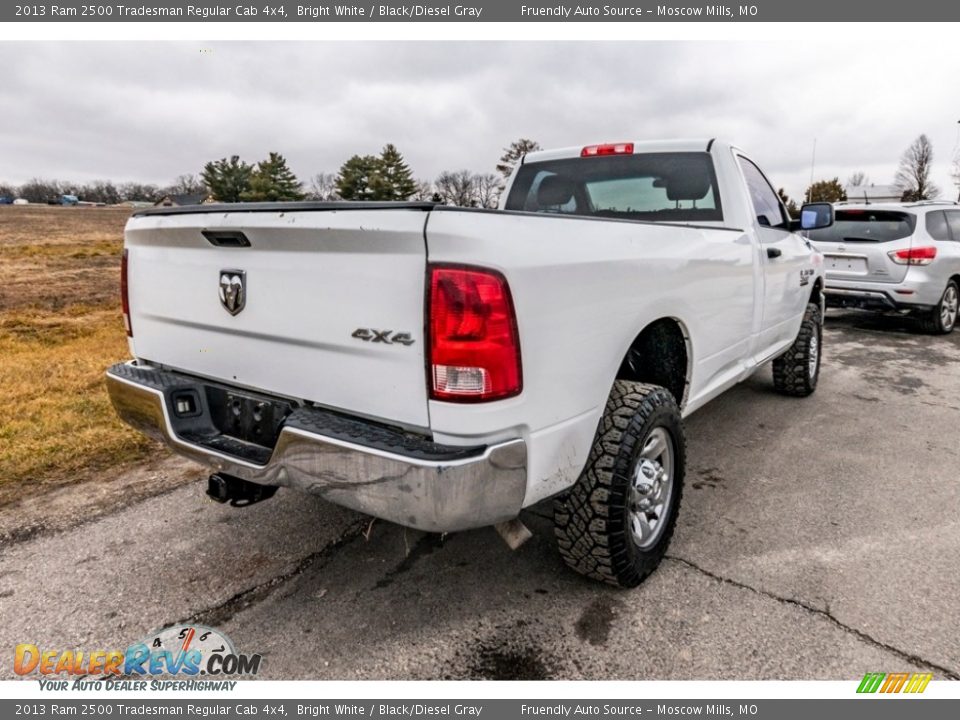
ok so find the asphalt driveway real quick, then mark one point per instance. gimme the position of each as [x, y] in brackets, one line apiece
[818, 539]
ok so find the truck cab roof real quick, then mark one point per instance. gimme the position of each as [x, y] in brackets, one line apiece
[639, 147]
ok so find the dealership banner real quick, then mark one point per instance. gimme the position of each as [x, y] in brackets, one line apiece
[489, 709]
[482, 11]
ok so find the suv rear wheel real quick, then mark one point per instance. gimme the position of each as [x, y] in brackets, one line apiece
[943, 317]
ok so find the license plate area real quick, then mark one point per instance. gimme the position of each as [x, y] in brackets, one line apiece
[247, 417]
[850, 264]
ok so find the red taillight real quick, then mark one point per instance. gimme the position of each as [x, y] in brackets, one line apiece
[125, 294]
[474, 343]
[607, 149]
[913, 256]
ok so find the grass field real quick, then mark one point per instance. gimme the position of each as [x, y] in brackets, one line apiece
[60, 327]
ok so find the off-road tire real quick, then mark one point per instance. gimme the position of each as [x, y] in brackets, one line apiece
[792, 373]
[932, 322]
[591, 520]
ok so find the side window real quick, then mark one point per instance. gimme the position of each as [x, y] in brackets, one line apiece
[766, 202]
[937, 226]
[953, 220]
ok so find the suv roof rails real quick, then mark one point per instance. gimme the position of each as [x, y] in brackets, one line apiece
[915, 203]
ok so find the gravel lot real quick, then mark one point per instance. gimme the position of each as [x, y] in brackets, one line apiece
[818, 539]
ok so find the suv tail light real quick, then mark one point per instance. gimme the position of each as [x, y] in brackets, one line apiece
[913, 256]
[474, 343]
[125, 293]
[624, 148]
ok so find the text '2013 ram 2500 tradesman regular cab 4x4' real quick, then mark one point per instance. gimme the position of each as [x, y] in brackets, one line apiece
[444, 368]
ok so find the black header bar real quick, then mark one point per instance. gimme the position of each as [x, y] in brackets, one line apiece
[853, 11]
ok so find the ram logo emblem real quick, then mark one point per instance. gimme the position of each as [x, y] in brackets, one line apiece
[233, 290]
[389, 337]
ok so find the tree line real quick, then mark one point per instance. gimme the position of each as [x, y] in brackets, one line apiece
[383, 177]
[387, 176]
[912, 179]
[100, 191]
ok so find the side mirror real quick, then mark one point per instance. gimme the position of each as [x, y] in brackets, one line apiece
[814, 216]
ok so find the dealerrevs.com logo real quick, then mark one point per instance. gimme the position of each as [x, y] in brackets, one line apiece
[179, 651]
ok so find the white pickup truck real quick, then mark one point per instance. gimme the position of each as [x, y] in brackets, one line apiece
[444, 368]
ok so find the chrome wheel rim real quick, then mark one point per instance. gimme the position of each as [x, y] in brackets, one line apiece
[948, 307]
[814, 354]
[651, 489]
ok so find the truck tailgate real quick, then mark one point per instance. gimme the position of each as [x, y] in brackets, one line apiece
[323, 293]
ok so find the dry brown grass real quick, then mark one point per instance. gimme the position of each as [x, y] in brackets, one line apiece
[60, 327]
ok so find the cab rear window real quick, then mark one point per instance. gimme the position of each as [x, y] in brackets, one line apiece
[872, 226]
[678, 187]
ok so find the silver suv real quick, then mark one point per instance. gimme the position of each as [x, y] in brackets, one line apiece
[895, 256]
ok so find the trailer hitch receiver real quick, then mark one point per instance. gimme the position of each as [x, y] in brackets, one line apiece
[236, 491]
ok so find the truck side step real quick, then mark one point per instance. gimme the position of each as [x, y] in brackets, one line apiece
[237, 491]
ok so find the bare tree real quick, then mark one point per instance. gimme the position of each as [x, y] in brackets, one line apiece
[39, 190]
[955, 173]
[514, 153]
[424, 191]
[858, 179]
[187, 184]
[99, 191]
[457, 188]
[323, 186]
[913, 177]
[487, 190]
[139, 192]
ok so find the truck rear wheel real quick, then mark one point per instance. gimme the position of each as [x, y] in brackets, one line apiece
[616, 522]
[797, 371]
[943, 317]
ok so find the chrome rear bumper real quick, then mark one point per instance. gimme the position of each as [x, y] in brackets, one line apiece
[410, 481]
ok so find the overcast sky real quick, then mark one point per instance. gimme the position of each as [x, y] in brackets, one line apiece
[151, 111]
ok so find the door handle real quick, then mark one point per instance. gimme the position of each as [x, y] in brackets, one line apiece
[773, 253]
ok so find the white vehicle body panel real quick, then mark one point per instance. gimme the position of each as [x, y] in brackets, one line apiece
[312, 279]
[583, 290]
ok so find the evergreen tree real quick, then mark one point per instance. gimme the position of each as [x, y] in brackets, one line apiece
[368, 177]
[792, 210]
[357, 177]
[273, 181]
[825, 191]
[228, 180]
[394, 181]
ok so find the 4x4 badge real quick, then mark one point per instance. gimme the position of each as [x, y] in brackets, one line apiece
[382, 336]
[233, 290]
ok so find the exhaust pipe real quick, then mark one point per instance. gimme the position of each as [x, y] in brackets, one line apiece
[237, 491]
